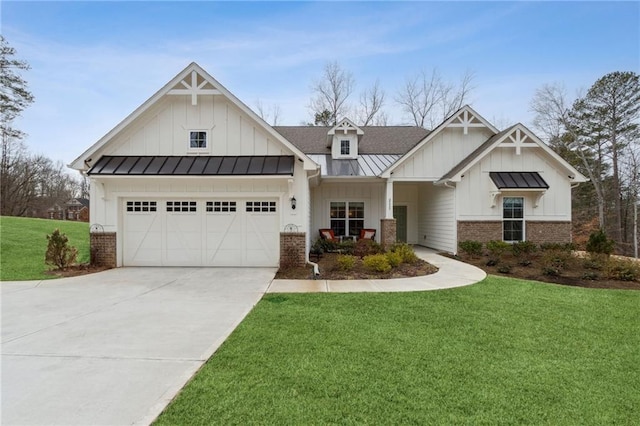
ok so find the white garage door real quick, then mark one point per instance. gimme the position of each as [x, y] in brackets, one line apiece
[209, 232]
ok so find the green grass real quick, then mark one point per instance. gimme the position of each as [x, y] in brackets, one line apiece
[23, 244]
[504, 351]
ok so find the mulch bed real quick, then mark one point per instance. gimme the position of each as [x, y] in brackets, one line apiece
[330, 270]
[76, 270]
[572, 275]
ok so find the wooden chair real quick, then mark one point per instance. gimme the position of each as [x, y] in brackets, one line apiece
[367, 234]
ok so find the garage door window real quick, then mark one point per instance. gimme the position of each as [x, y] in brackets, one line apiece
[141, 206]
[261, 206]
[181, 206]
[221, 206]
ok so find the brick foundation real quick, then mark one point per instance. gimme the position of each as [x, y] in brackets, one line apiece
[103, 249]
[482, 231]
[548, 232]
[292, 249]
[387, 232]
[536, 232]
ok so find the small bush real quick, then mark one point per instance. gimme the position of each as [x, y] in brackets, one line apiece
[471, 248]
[406, 252]
[595, 262]
[555, 261]
[327, 246]
[59, 253]
[394, 259]
[590, 276]
[623, 270]
[366, 247]
[523, 248]
[347, 246]
[377, 262]
[346, 262]
[497, 249]
[317, 247]
[504, 269]
[599, 243]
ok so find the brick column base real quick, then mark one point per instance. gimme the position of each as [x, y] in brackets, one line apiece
[103, 249]
[387, 232]
[292, 249]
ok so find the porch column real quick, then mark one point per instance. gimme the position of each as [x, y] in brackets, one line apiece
[388, 200]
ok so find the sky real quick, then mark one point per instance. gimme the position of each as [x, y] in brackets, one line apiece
[93, 63]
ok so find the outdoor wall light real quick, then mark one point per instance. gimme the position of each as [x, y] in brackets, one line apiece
[293, 203]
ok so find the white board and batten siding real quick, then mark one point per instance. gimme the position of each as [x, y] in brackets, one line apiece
[164, 130]
[441, 154]
[406, 194]
[436, 217]
[473, 191]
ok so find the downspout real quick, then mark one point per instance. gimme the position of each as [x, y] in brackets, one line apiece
[316, 268]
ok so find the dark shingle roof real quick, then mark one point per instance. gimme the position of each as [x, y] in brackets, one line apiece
[376, 139]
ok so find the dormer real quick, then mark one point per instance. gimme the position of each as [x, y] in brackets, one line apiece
[344, 138]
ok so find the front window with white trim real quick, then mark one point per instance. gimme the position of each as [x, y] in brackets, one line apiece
[345, 147]
[347, 217]
[513, 219]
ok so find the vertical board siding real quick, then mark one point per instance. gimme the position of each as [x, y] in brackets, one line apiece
[474, 201]
[164, 130]
[407, 195]
[442, 153]
[436, 217]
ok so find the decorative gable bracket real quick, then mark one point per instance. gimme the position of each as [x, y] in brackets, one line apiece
[194, 88]
[518, 140]
[466, 119]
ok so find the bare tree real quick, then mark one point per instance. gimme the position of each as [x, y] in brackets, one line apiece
[331, 91]
[371, 103]
[269, 114]
[554, 120]
[427, 99]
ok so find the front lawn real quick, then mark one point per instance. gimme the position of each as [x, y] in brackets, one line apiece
[503, 351]
[23, 244]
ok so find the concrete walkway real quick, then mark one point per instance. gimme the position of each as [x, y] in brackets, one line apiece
[452, 273]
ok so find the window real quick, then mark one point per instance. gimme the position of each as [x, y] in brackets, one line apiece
[181, 206]
[221, 206]
[345, 147]
[513, 219]
[197, 140]
[141, 206]
[261, 206]
[347, 217]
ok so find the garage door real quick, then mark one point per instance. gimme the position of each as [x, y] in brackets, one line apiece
[204, 232]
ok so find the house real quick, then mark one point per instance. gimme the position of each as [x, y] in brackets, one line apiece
[77, 209]
[194, 177]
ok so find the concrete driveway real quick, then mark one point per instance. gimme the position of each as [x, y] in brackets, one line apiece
[115, 347]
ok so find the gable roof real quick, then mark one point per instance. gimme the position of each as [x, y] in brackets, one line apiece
[454, 175]
[79, 163]
[465, 111]
[374, 140]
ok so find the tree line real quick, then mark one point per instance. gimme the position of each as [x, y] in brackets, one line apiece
[29, 183]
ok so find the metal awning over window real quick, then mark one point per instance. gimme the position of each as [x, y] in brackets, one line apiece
[518, 180]
[193, 165]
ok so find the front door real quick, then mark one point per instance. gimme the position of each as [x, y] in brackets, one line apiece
[400, 215]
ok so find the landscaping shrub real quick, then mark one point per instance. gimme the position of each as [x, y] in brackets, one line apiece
[590, 275]
[347, 246]
[406, 252]
[394, 258]
[595, 262]
[317, 247]
[599, 243]
[327, 245]
[377, 262]
[346, 262]
[471, 248]
[555, 261]
[497, 249]
[366, 247]
[59, 253]
[523, 249]
[622, 269]
[504, 269]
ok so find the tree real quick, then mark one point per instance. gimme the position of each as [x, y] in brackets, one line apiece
[370, 108]
[330, 93]
[427, 99]
[269, 114]
[14, 94]
[609, 113]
